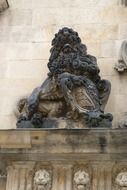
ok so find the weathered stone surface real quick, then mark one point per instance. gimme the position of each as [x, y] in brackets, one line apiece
[3, 68]
[59, 4]
[108, 49]
[65, 155]
[106, 66]
[122, 31]
[59, 141]
[14, 139]
[97, 32]
[16, 17]
[7, 121]
[20, 69]
[113, 101]
[22, 4]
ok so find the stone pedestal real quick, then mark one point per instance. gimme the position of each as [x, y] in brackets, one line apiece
[64, 159]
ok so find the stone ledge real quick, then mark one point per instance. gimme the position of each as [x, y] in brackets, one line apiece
[65, 141]
[12, 139]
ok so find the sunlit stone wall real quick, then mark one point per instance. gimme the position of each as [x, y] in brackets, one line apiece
[26, 31]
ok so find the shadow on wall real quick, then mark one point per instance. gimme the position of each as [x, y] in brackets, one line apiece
[3, 5]
[124, 2]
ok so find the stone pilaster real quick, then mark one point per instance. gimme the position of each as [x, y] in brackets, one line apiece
[95, 178]
[62, 177]
[19, 176]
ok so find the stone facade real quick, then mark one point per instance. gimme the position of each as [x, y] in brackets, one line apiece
[63, 159]
[26, 30]
[60, 159]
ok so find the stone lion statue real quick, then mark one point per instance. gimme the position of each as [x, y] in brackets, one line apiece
[42, 180]
[81, 180]
[73, 88]
[121, 181]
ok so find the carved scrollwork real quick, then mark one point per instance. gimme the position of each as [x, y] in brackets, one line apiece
[42, 180]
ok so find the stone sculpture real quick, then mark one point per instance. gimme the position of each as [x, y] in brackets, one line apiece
[122, 61]
[81, 180]
[121, 181]
[42, 180]
[73, 89]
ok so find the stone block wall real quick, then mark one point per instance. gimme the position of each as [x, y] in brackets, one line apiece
[26, 31]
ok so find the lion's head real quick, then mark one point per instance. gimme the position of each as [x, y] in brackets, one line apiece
[66, 46]
[42, 180]
[66, 36]
[121, 179]
[81, 180]
[66, 40]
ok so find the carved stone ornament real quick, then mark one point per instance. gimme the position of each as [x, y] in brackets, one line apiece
[122, 121]
[42, 180]
[81, 180]
[72, 91]
[121, 66]
[121, 181]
